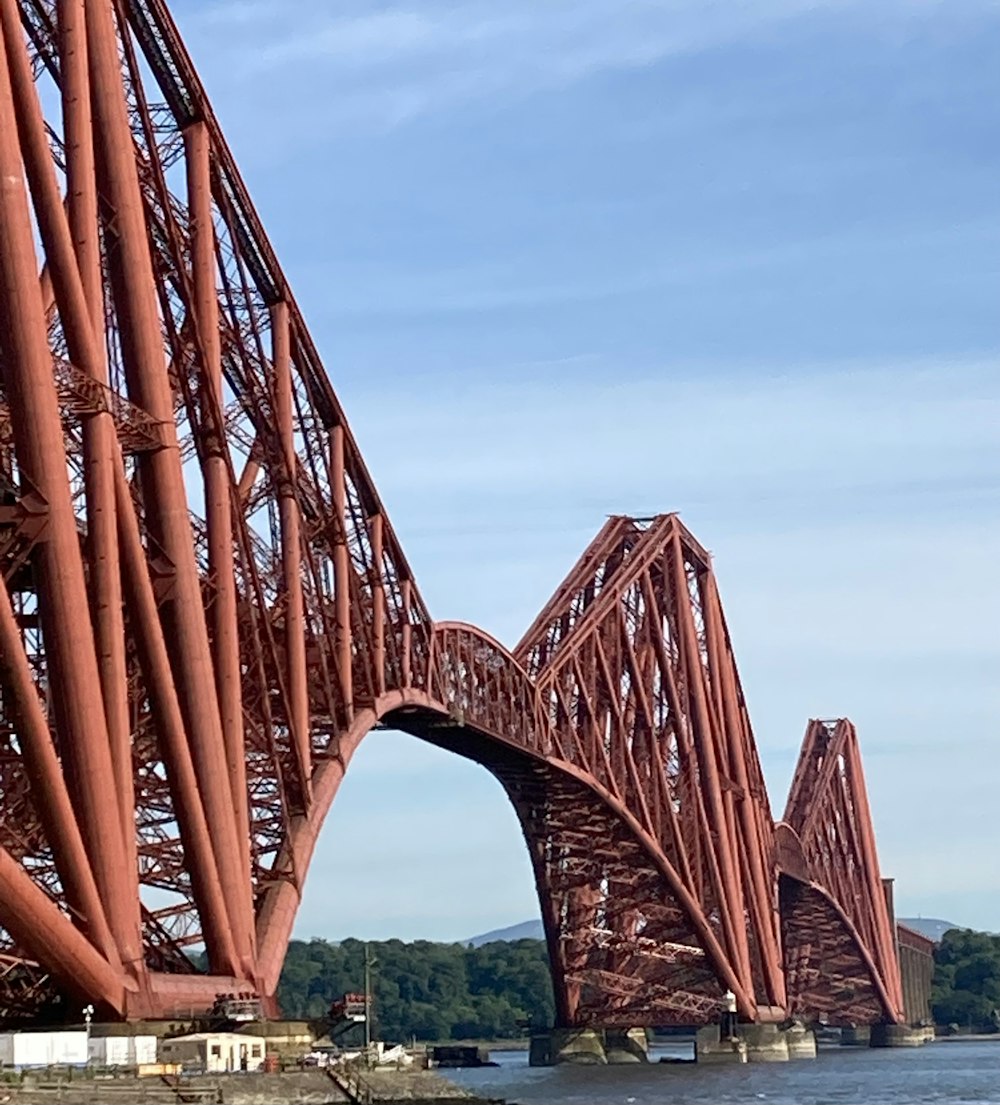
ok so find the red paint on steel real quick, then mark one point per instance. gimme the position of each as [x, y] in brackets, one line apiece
[219, 499]
[829, 814]
[174, 733]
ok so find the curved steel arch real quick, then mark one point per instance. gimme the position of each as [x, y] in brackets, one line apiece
[180, 693]
[486, 709]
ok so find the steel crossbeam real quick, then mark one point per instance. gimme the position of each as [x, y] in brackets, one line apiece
[204, 608]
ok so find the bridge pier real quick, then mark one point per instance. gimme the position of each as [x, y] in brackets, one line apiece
[710, 1046]
[900, 1035]
[801, 1041]
[755, 1043]
[588, 1047]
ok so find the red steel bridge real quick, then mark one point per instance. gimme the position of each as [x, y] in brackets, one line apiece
[205, 608]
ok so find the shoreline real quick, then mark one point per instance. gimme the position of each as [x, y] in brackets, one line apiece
[312, 1087]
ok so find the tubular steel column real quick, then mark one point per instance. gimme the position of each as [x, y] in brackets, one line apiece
[378, 603]
[291, 549]
[623, 742]
[161, 473]
[218, 495]
[888, 958]
[48, 786]
[169, 724]
[342, 571]
[69, 642]
[98, 430]
[407, 587]
[763, 900]
[36, 923]
[730, 901]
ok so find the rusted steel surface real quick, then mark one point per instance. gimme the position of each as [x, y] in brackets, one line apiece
[204, 609]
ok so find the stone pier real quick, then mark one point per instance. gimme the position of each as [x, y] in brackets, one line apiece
[900, 1035]
[801, 1042]
[588, 1046]
[710, 1046]
[755, 1043]
[626, 1045]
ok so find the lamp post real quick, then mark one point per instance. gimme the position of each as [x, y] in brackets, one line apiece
[88, 1013]
[370, 962]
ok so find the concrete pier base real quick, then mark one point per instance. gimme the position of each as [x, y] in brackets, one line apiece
[755, 1043]
[858, 1035]
[588, 1047]
[581, 1046]
[766, 1043]
[801, 1042]
[900, 1035]
[626, 1045]
[710, 1047]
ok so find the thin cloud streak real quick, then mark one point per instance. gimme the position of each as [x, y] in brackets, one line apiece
[400, 61]
[815, 389]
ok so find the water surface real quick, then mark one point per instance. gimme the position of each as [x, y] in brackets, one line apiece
[942, 1073]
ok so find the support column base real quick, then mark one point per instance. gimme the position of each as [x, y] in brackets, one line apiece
[711, 1048]
[755, 1043]
[626, 1045]
[588, 1047]
[766, 1043]
[856, 1035]
[801, 1042]
[900, 1035]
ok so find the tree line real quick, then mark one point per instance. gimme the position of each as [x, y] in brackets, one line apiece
[425, 990]
[966, 990]
[454, 991]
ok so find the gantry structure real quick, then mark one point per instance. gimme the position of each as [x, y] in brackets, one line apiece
[204, 609]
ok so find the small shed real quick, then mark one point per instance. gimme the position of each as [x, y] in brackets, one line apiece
[215, 1052]
[43, 1049]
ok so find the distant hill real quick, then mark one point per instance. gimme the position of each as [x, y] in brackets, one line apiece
[931, 927]
[526, 930]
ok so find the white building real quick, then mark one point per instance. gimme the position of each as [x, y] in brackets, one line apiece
[43, 1049]
[122, 1051]
[215, 1052]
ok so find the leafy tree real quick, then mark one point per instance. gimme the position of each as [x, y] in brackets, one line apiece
[426, 990]
[966, 988]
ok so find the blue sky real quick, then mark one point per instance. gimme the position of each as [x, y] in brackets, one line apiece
[740, 260]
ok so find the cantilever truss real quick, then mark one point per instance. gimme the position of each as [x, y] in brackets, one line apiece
[634, 665]
[204, 607]
[840, 939]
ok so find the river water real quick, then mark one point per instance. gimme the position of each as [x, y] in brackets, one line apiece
[944, 1073]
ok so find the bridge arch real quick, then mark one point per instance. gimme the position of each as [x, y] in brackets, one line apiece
[485, 707]
[221, 671]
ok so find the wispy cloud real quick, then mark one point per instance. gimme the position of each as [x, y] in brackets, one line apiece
[721, 434]
[852, 512]
[739, 265]
[395, 61]
[427, 287]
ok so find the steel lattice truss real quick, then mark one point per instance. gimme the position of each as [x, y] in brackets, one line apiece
[205, 609]
[634, 666]
[840, 939]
